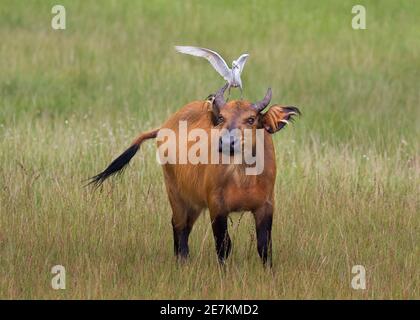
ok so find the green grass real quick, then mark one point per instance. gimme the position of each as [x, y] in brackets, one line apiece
[347, 189]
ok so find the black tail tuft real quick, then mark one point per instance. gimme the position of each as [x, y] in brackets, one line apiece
[116, 166]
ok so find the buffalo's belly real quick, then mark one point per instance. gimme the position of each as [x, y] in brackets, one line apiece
[188, 184]
[245, 198]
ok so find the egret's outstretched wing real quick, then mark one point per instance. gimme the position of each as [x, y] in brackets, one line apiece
[241, 61]
[213, 57]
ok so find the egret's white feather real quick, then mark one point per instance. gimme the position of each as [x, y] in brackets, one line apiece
[232, 76]
[213, 57]
[241, 61]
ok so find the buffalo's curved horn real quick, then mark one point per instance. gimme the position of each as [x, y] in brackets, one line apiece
[219, 100]
[261, 105]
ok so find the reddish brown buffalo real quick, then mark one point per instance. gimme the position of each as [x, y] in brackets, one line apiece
[222, 188]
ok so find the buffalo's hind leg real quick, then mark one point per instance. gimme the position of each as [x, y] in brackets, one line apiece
[263, 223]
[181, 234]
[183, 218]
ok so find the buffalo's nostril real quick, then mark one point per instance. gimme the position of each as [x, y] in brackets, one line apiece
[233, 143]
[220, 145]
[228, 144]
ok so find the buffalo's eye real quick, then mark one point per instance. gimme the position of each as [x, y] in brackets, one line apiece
[220, 119]
[250, 120]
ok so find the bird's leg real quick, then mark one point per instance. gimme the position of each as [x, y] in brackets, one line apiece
[228, 93]
[242, 93]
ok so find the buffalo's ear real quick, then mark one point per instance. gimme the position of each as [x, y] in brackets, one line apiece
[278, 116]
[212, 109]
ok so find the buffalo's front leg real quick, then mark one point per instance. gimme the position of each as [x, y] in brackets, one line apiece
[263, 222]
[221, 236]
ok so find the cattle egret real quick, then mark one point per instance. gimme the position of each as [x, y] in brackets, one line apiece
[232, 76]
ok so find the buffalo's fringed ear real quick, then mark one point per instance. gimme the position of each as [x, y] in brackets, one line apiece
[214, 110]
[217, 101]
[278, 116]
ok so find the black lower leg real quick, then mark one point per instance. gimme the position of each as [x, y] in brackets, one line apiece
[264, 244]
[221, 237]
[181, 236]
[176, 240]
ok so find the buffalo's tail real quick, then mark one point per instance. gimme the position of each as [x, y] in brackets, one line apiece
[118, 165]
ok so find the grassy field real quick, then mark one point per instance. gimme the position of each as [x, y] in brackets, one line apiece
[348, 169]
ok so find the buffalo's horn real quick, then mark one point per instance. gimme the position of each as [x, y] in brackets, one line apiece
[261, 105]
[219, 100]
